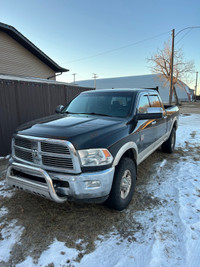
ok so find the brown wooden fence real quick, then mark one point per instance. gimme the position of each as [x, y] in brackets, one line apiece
[22, 101]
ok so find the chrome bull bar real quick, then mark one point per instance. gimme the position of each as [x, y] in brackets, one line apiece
[46, 190]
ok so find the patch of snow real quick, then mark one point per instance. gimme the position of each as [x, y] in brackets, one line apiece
[163, 163]
[57, 253]
[3, 212]
[5, 191]
[190, 208]
[10, 235]
[110, 252]
[188, 130]
[6, 157]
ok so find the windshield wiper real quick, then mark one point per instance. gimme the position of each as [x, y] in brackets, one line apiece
[93, 113]
[68, 112]
[88, 113]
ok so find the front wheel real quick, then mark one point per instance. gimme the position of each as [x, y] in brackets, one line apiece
[123, 185]
[169, 145]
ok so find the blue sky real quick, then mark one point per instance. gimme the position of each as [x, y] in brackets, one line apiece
[69, 31]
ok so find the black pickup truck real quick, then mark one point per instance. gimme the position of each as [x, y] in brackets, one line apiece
[89, 150]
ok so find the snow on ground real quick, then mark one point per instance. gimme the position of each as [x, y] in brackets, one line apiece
[3, 212]
[168, 235]
[57, 254]
[10, 235]
[189, 130]
[6, 157]
[5, 191]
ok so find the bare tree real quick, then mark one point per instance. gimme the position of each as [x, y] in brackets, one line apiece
[161, 64]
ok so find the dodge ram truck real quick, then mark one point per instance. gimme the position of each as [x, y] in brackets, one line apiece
[89, 149]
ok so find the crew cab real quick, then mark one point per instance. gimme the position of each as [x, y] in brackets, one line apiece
[90, 149]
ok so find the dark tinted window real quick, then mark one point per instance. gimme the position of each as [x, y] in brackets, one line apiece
[154, 101]
[143, 104]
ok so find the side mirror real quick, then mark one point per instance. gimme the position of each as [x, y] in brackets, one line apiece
[59, 108]
[152, 113]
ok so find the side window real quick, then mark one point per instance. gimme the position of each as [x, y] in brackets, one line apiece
[154, 101]
[143, 104]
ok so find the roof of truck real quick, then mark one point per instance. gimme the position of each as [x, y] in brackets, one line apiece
[120, 90]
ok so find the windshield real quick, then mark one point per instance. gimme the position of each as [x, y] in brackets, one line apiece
[112, 105]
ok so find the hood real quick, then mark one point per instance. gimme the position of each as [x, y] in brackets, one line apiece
[81, 130]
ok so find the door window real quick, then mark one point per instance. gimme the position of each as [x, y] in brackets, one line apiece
[154, 101]
[143, 104]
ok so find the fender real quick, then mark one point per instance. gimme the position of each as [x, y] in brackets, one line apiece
[175, 120]
[123, 149]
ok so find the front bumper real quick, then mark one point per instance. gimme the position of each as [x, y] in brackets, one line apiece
[60, 187]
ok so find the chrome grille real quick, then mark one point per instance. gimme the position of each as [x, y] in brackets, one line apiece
[25, 143]
[54, 148]
[49, 154]
[25, 155]
[57, 162]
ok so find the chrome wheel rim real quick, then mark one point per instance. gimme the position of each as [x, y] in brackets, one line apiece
[125, 184]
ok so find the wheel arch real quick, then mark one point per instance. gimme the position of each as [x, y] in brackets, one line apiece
[128, 150]
[175, 124]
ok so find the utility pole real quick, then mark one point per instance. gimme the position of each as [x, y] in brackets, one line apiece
[172, 63]
[172, 69]
[74, 74]
[95, 77]
[196, 86]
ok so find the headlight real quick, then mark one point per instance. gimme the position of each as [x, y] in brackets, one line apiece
[95, 157]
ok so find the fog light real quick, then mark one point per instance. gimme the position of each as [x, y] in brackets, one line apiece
[92, 184]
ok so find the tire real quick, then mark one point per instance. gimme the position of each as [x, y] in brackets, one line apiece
[123, 185]
[169, 145]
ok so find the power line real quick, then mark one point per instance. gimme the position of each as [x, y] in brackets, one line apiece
[189, 30]
[192, 27]
[116, 49]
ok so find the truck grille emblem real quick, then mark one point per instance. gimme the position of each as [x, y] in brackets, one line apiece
[34, 153]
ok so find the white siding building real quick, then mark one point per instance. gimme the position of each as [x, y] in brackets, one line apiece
[143, 81]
